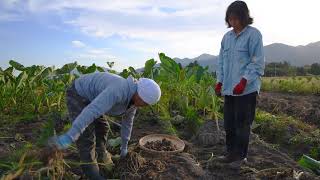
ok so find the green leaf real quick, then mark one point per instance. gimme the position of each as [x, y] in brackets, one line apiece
[31, 71]
[124, 73]
[200, 73]
[16, 65]
[91, 69]
[169, 64]
[148, 68]
[41, 73]
[46, 72]
[100, 69]
[67, 68]
[8, 74]
[21, 79]
[110, 64]
[9, 70]
[309, 163]
[133, 72]
[81, 69]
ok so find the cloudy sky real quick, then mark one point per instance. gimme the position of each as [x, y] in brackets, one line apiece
[55, 32]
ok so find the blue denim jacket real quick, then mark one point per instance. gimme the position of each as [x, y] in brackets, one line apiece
[241, 56]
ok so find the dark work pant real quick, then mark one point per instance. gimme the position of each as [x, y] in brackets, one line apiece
[92, 142]
[239, 113]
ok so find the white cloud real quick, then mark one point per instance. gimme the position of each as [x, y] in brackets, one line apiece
[179, 28]
[182, 32]
[89, 55]
[124, 6]
[78, 44]
[94, 53]
[288, 21]
[182, 28]
[177, 44]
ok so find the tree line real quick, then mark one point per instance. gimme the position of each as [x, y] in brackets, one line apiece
[286, 69]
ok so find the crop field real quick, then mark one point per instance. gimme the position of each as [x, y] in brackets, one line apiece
[298, 84]
[33, 108]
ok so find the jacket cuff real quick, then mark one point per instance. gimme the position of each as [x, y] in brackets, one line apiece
[73, 133]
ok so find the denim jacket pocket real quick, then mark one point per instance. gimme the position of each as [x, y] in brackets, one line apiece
[243, 55]
[225, 54]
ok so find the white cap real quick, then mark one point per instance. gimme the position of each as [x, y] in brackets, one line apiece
[149, 91]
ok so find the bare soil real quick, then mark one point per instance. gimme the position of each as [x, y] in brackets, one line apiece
[198, 161]
[264, 161]
[138, 165]
[13, 137]
[303, 107]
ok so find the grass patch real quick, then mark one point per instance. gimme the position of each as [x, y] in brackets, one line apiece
[300, 85]
[293, 136]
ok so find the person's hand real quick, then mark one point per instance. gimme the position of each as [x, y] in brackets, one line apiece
[60, 142]
[239, 88]
[124, 151]
[217, 89]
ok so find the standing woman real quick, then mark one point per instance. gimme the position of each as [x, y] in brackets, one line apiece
[241, 65]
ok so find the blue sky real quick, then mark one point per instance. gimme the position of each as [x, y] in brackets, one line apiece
[55, 32]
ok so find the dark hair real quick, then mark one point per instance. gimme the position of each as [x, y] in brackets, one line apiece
[241, 11]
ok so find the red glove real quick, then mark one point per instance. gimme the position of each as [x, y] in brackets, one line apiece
[217, 89]
[240, 87]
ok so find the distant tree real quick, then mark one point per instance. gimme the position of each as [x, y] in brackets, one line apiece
[315, 69]
[192, 64]
[279, 69]
[300, 71]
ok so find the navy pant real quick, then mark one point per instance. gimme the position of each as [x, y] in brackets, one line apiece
[239, 113]
[93, 141]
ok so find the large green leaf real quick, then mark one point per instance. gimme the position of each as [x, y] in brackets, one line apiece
[9, 70]
[133, 72]
[124, 73]
[308, 162]
[16, 65]
[31, 71]
[35, 73]
[169, 64]
[131, 69]
[8, 75]
[148, 68]
[46, 72]
[81, 69]
[110, 64]
[100, 69]
[200, 73]
[67, 68]
[1, 75]
[21, 79]
[91, 69]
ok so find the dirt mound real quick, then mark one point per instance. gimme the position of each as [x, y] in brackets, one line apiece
[138, 165]
[303, 107]
[163, 145]
[209, 134]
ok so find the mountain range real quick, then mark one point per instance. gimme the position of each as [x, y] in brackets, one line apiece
[276, 52]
